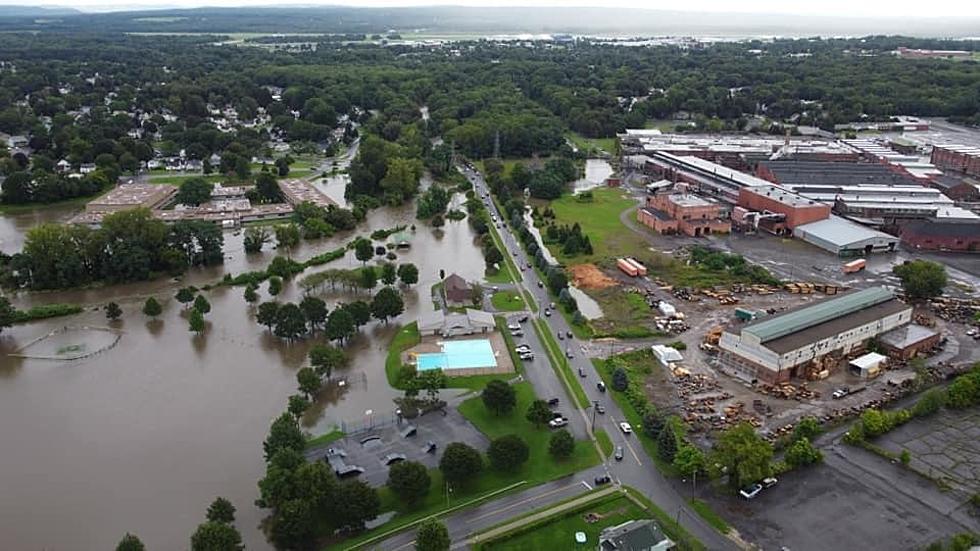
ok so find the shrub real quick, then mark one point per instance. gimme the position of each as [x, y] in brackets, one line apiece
[802, 453]
[619, 379]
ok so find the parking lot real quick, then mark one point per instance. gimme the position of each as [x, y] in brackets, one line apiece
[367, 449]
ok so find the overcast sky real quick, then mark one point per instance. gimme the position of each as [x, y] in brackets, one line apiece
[847, 8]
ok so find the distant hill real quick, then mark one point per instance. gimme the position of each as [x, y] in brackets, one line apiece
[445, 19]
[36, 11]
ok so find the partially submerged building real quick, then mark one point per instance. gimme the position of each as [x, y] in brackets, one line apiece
[795, 343]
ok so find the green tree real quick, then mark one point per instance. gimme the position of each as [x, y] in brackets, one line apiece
[309, 382]
[905, 457]
[539, 413]
[250, 295]
[387, 303]
[185, 295]
[112, 311]
[802, 453]
[408, 273]
[297, 405]
[876, 422]
[129, 542]
[360, 311]
[340, 325]
[202, 305]
[194, 191]
[360, 504]
[921, 278]
[368, 277]
[409, 480]
[216, 536]
[315, 310]
[152, 308]
[267, 314]
[499, 397]
[667, 442]
[325, 359]
[432, 535]
[284, 434]
[808, 427]
[653, 423]
[267, 188]
[688, 460]
[460, 463]
[363, 250]
[743, 455]
[389, 273]
[508, 453]
[255, 238]
[293, 524]
[290, 322]
[7, 313]
[619, 379]
[287, 237]
[561, 444]
[196, 322]
[221, 510]
[930, 403]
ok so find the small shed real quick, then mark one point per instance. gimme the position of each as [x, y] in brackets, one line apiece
[905, 342]
[666, 355]
[868, 366]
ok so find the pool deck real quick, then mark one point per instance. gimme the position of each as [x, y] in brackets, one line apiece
[430, 345]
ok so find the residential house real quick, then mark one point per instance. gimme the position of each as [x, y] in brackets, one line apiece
[457, 291]
[634, 535]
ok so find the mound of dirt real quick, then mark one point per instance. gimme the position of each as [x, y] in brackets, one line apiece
[589, 276]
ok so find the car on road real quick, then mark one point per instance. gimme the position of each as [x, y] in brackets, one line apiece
[601, 386]
[568, 353]
[769, 482]
[626, 428]
[552, 306]
[558, 423]
[553, 402]
[561, 336]
[604, 479]
[523, 347]
[557, 415]
[599, 408]
[619, 453]
[568, 334]
[840, 393]
[523, 319]
[547, 312]
[514, 326]
[581, 372]
[750, 492]
[527, 357]
[517, 333]
[541, 284]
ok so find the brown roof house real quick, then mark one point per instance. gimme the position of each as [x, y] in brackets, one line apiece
[457, 291]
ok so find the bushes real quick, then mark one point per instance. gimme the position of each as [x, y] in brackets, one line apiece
[802, 453]
[45, 311]
[619, 379]
[964, 391]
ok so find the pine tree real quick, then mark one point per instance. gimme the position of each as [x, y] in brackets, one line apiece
[667, 442]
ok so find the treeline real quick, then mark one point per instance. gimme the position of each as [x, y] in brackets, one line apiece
[129, 246]
[571, 239]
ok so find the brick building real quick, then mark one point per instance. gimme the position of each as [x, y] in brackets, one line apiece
[798, 210]
[960, 158]
[956, 188]
[942, 235]
[683, 213]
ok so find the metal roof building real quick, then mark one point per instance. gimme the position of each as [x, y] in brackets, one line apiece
[843, 237]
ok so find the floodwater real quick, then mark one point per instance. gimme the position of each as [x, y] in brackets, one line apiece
[13, 227]
[596, 172]
[142, 436]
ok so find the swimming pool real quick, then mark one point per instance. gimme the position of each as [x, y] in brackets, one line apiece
[466, 354]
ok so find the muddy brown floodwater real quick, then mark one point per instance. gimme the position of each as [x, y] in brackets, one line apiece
[141, 437]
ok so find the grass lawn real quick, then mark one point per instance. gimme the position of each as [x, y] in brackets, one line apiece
[324, 439]
[605, 443]
[710, 516]
[599, 219]
[177, 179]
[31, 207]
[508, 165]
[507, 301]
[501, 276]
[559, 533]
[556, 355]
[625, 314]
[592, 146]
[406, 337]
[676, 532]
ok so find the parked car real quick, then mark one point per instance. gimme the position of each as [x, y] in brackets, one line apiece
[558, 423]
[840, 393]
[619, 453]
[557, 415]
[553, 402]
[551, 305]
[514, 326]
[626, 428]
[568, 353]
[604, 479]
[769, 482]
[750, 492]
[601, 386]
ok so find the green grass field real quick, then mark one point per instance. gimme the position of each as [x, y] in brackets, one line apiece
[709, 515]
[556, 355]
[592, 146]
[324, 439]
[599, 219]
[605, 443]
[507, 301]
[406, 337]
[177, 179]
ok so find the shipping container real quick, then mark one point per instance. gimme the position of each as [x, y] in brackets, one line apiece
[640, 268]
[627, 267]
[854, 266]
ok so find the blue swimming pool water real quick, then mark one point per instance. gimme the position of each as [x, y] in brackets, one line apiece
[465, 354]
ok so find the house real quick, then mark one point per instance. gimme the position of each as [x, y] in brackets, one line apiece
[62, 166]
[457, 291]
[469, 322]
[634, 535]
[87, 168]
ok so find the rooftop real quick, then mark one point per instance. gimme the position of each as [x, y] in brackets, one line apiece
[634, 535]
[299, 191]
[836, 326]
[688, 200]
[782, 195]
[903, 337]
[840, 231]
[131, 195]
[836, 173]
[943, 228]
[798, 319]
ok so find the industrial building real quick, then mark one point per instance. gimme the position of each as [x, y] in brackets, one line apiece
[671, 213]
[811, 339]
[301, 191]
[882, 152]
[908, 341]
[131, 196]
[958, 158]
[706, 176]
[765, 204]
[845, 238]
[957, 189]
[731, 150]
[942, 235]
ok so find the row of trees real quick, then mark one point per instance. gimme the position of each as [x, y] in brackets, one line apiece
[216, 533]
[292, 321]
[571, 239]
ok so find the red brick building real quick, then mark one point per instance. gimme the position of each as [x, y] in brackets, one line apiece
[798, 209]
[683, 213]
[937, 235]
[956, 188]
[961, 158]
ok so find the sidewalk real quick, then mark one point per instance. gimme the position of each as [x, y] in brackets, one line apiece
[540, 515]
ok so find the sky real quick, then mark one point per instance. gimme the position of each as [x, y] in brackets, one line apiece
[840, 8]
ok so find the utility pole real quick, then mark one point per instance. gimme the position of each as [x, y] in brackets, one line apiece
[595, 404]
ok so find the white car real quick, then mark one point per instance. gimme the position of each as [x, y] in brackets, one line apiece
[625, 427]
[558, 423]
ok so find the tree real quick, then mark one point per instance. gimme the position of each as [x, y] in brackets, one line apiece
[340, 325]
[221, 510]
[216, 536]
[267, 314]
[460, 463]
[297, 405]
[7, 313]
[194, 191]
[499, 397]
[360, 311]
[538, 413]
[387, 303]
[287, 237]
[743, 455]
[152, 308]
[930, 402]
[185, 295]
[432, 535]
[508, 453]
[284, 434]
[112, 311]
[129, 542]
[667, 442]
[619, 379]
[275, 285]
[255, 238]
[408, 274]
[807, 427]
[315, 310]
[196, 322]
[688, 460]
[250, 295]
[368, 277]
[653, 423]
[309, 382]
[363, 250]
[802, 453]
[290, 322]
[388, 273]
[202, 305]
[360, 504]
[922, 278]
[293, 524]
[409, 480]
[561, 444]
[326, 358]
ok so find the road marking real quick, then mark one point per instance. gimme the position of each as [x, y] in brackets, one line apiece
[586, 484]
[406, 546]
[519, 503]
[627, 442]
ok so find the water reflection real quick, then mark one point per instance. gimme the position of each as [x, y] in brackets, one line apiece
[596, 172]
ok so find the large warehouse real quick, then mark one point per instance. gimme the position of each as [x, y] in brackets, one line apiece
[845, 238]
[790, 344]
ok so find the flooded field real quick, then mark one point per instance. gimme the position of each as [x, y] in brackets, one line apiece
[596, 172]
[141, 436]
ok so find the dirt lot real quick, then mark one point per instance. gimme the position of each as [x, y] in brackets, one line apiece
[589, 276]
